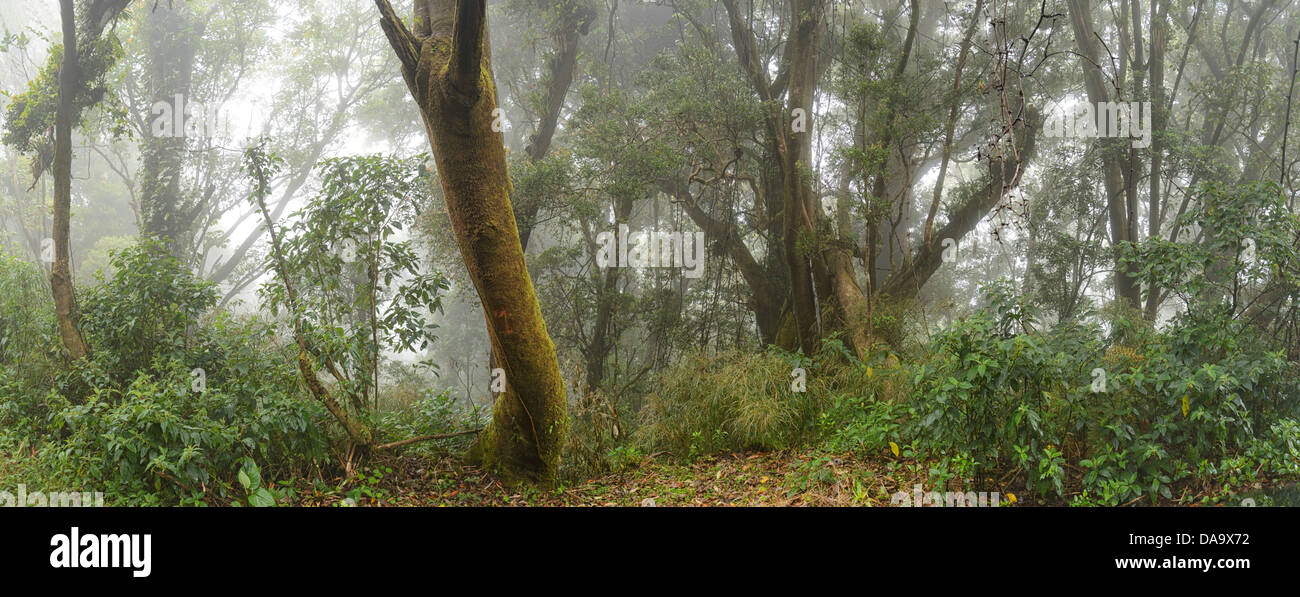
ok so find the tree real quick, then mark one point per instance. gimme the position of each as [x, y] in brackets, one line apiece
[97, 15]
[172, 36]
[78, 67]
[446, 63]
[347, 67]
[821, 279]
[65, 302]
[346, 233]
[1121, 200]
[570, 21]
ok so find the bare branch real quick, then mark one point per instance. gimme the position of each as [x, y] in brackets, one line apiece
[405, 44]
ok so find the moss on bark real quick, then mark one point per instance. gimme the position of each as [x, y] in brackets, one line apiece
[524, 439]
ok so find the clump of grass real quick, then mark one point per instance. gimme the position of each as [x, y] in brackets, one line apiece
[596, 437]
[730, 401]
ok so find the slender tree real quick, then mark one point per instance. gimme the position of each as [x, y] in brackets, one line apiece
[1121, 204]
[65, 302]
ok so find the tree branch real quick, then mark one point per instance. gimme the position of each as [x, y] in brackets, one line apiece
[425, 438]
[467, 47]
[747, 52]
[405, 44]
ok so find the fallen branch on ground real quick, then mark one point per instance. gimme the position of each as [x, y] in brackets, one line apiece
[425, 438]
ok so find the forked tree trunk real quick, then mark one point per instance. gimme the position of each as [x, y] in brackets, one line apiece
[446, 63]
[802, 260]
[823, 296]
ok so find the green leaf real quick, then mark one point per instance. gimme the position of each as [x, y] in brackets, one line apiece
[249, 475]
[261, 498]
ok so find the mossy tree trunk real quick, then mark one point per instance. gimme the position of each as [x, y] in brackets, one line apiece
[172, 34]
[822, 295]
[446, 62]
[65, 302]
[73, 97]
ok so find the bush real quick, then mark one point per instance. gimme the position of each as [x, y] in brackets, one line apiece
[596, 443]
[175, 399]
[429, 413]
[28, 338]
[148, 310]
[732, 401]
[162, 440]
[1134, 410]
[860, 422]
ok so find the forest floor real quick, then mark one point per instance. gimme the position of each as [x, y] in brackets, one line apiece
[808, 477]
[788, 478]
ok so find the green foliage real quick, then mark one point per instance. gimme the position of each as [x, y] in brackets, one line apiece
[147, 311]
[136, 420]
[430, 413]
[250, 478]
[1011, 397]
[597, 442]
[1246, 245]
[26, 318]
[732, 401]
[161, 440]
[360, 289]
[30, 115]
[545, 183]
[28, 343]
[858, 422]
[369, 485]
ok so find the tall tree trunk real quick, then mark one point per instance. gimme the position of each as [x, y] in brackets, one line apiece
[823, 295]
[65, 302]
[1118, 203]
[172, 35]
[1155, 208]
[446, 63]
[598, 348]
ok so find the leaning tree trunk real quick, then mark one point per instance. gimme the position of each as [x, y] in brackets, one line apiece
[446, 63]
[65, 302]
[560, 69]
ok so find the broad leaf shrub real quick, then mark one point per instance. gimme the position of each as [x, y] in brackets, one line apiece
[361, 289]
[133, 420]
[1175, 403]
[147, 310]
[159, 439]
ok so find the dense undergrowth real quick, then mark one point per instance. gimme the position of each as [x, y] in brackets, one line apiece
[993, 403]
[1095, 408]
[174, 401]
[181, 403]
